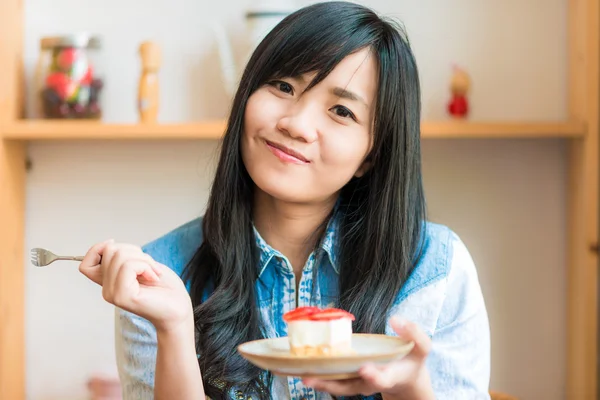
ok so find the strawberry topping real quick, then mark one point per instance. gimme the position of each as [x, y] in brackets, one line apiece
[316, 314]
[331, 314]
[300, 313]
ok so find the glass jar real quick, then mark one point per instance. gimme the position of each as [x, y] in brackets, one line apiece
[68, 85]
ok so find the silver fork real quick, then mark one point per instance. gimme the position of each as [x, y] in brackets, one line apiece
[42, 257]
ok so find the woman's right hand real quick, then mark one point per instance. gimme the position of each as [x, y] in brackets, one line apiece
[135, 282]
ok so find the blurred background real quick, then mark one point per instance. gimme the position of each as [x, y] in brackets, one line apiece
[504, 197]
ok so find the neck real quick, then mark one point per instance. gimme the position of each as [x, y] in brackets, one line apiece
[291, 228]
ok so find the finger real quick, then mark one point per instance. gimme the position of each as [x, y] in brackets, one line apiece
[160, 268]
[109, 270]
[151, 275]
[348, 387]
[128, 251]
[154, 264]
[411, 332]
[124, 252]
[90, 265]
[146, 257]
[126, 287]
[117, 256]
[382, 378]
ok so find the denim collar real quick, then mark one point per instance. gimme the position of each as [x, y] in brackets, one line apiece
[328, 245]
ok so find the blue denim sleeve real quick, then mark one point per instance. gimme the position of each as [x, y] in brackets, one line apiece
[459, 362]
[135, 337]
[135, 344]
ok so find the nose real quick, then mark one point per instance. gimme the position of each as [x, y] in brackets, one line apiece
[298, 125]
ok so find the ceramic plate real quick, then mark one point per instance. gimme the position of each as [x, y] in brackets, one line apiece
[274, 355]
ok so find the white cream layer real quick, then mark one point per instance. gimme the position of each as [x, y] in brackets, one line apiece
[317, 333]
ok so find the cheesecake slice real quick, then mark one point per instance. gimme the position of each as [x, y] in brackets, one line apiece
[319, 332]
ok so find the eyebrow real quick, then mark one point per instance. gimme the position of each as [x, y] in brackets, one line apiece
[346, 94]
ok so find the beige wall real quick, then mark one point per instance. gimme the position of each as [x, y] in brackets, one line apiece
[505, 198]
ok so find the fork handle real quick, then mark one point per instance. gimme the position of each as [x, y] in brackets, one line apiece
[78, 258]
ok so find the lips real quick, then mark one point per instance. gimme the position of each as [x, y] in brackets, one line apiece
[285, 153]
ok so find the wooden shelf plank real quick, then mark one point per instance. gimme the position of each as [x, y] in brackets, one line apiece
[92, 130]
[477, 129]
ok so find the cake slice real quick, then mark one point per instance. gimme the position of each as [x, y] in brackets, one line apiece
[319, 332]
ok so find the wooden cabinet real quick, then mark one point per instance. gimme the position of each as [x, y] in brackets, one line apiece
[581, 131]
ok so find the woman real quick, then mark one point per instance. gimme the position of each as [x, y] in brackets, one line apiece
[317, 200]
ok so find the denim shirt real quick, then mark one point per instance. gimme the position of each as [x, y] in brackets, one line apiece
[442, 296]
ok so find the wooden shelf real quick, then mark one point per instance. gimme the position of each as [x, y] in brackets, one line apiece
[581, 189]
[490, 130]
[92, 130]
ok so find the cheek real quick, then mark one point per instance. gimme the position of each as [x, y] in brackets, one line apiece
[345, 153]
[260, 118]
[254, 122]
[262, 112]
[252, 118]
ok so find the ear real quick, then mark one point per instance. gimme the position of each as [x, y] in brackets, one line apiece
[366, 165]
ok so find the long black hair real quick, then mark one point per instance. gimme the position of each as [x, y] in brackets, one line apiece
[382, 212]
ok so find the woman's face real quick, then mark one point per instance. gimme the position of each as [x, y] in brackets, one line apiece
[304, 147]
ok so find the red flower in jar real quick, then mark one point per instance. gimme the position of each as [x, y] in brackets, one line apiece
[66, 58]
[88, 77]
[70, 88]
[61, 84]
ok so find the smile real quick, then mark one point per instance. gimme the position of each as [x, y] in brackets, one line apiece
[286, 154]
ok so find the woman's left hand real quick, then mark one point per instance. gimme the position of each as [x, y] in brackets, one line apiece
[406, 378]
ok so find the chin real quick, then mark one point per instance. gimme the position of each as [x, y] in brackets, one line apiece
[287, 183]
[288, 191]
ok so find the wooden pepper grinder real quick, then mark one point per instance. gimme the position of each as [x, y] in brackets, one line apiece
[148, 85]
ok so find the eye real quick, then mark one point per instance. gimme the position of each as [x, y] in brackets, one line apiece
[343, 112]
[283, 87]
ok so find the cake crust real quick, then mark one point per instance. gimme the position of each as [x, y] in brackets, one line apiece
[339, 349]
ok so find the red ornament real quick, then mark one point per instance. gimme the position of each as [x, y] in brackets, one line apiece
[458, 106]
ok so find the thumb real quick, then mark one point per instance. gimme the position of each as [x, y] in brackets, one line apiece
[90, 265]
[409, 331]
